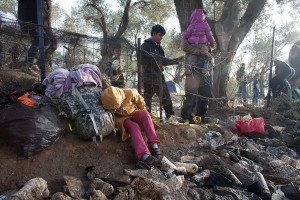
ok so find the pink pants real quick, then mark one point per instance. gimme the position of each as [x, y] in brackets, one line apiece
[132, 126]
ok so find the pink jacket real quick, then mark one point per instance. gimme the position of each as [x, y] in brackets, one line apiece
[198, 32]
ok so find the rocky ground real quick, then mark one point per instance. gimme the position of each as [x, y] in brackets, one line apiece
[242, 161]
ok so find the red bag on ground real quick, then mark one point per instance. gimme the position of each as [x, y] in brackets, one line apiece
[256, 125]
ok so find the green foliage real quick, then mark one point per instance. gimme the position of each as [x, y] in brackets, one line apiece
[57, 14]
[141, 15]
[213, 11]
[259, 39]
[9, 6]
[172, 41]
[75, 22]
[158, 11]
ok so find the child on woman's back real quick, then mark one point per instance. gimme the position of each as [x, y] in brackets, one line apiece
[198, 32]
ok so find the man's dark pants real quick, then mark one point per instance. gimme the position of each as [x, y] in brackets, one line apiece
[198, 98]
[153, 87]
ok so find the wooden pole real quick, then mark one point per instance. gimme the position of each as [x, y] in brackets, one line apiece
[139, 67]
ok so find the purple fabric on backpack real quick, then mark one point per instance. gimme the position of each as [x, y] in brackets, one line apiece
[87, 74]
[57, 83]
[60, 80]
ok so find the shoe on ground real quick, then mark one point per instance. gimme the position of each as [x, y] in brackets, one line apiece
[191, 121]
[29, 71]
[183, 121]
[205, 120]
[148, 163]
[156, 152]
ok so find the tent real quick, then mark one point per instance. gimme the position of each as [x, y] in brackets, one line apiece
[174, 87]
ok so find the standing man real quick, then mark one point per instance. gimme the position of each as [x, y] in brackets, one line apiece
[255, 89]
[27, 15]
[242, 82]
[152, 59]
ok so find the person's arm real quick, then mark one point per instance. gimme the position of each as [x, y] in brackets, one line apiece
[160, 59]
[116, 68]
[108, 69]
[138, 100]
[167, 61]
[210, 36]
[186, 34]
[146, 51]
[190, 49]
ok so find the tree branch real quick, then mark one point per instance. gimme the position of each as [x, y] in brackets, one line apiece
[101, 21]
[141, 4]
[252, 12]
[125, 20]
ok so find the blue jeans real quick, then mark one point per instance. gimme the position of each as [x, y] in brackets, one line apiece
[199, 97]
[255, 96]
[151, 88]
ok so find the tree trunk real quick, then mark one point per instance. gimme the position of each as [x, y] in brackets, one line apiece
[184, 9]
[230, 30]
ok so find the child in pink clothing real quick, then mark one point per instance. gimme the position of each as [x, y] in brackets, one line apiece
[199, 32]
[131, 117]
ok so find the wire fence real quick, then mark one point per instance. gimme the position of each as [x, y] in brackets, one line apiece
[71, 49]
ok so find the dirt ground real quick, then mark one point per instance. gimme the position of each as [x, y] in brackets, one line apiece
[70, 156]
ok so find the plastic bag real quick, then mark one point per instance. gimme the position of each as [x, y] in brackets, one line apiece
[256, 125]
[31, 129]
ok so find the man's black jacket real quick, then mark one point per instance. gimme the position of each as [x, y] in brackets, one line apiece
[152, 60]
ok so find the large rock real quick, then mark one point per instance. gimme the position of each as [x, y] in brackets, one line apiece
[104, 187]
[74, 187]
[35, 188]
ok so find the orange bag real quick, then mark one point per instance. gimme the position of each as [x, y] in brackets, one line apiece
[26, 100]
[256, 125]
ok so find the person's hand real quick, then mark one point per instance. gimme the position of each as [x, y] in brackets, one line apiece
[213, 45]
[204, 71]
[159, 62]
[188, 70]
[205, 51]
[208, 55]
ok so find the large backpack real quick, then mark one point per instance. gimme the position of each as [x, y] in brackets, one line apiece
[82, 105]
